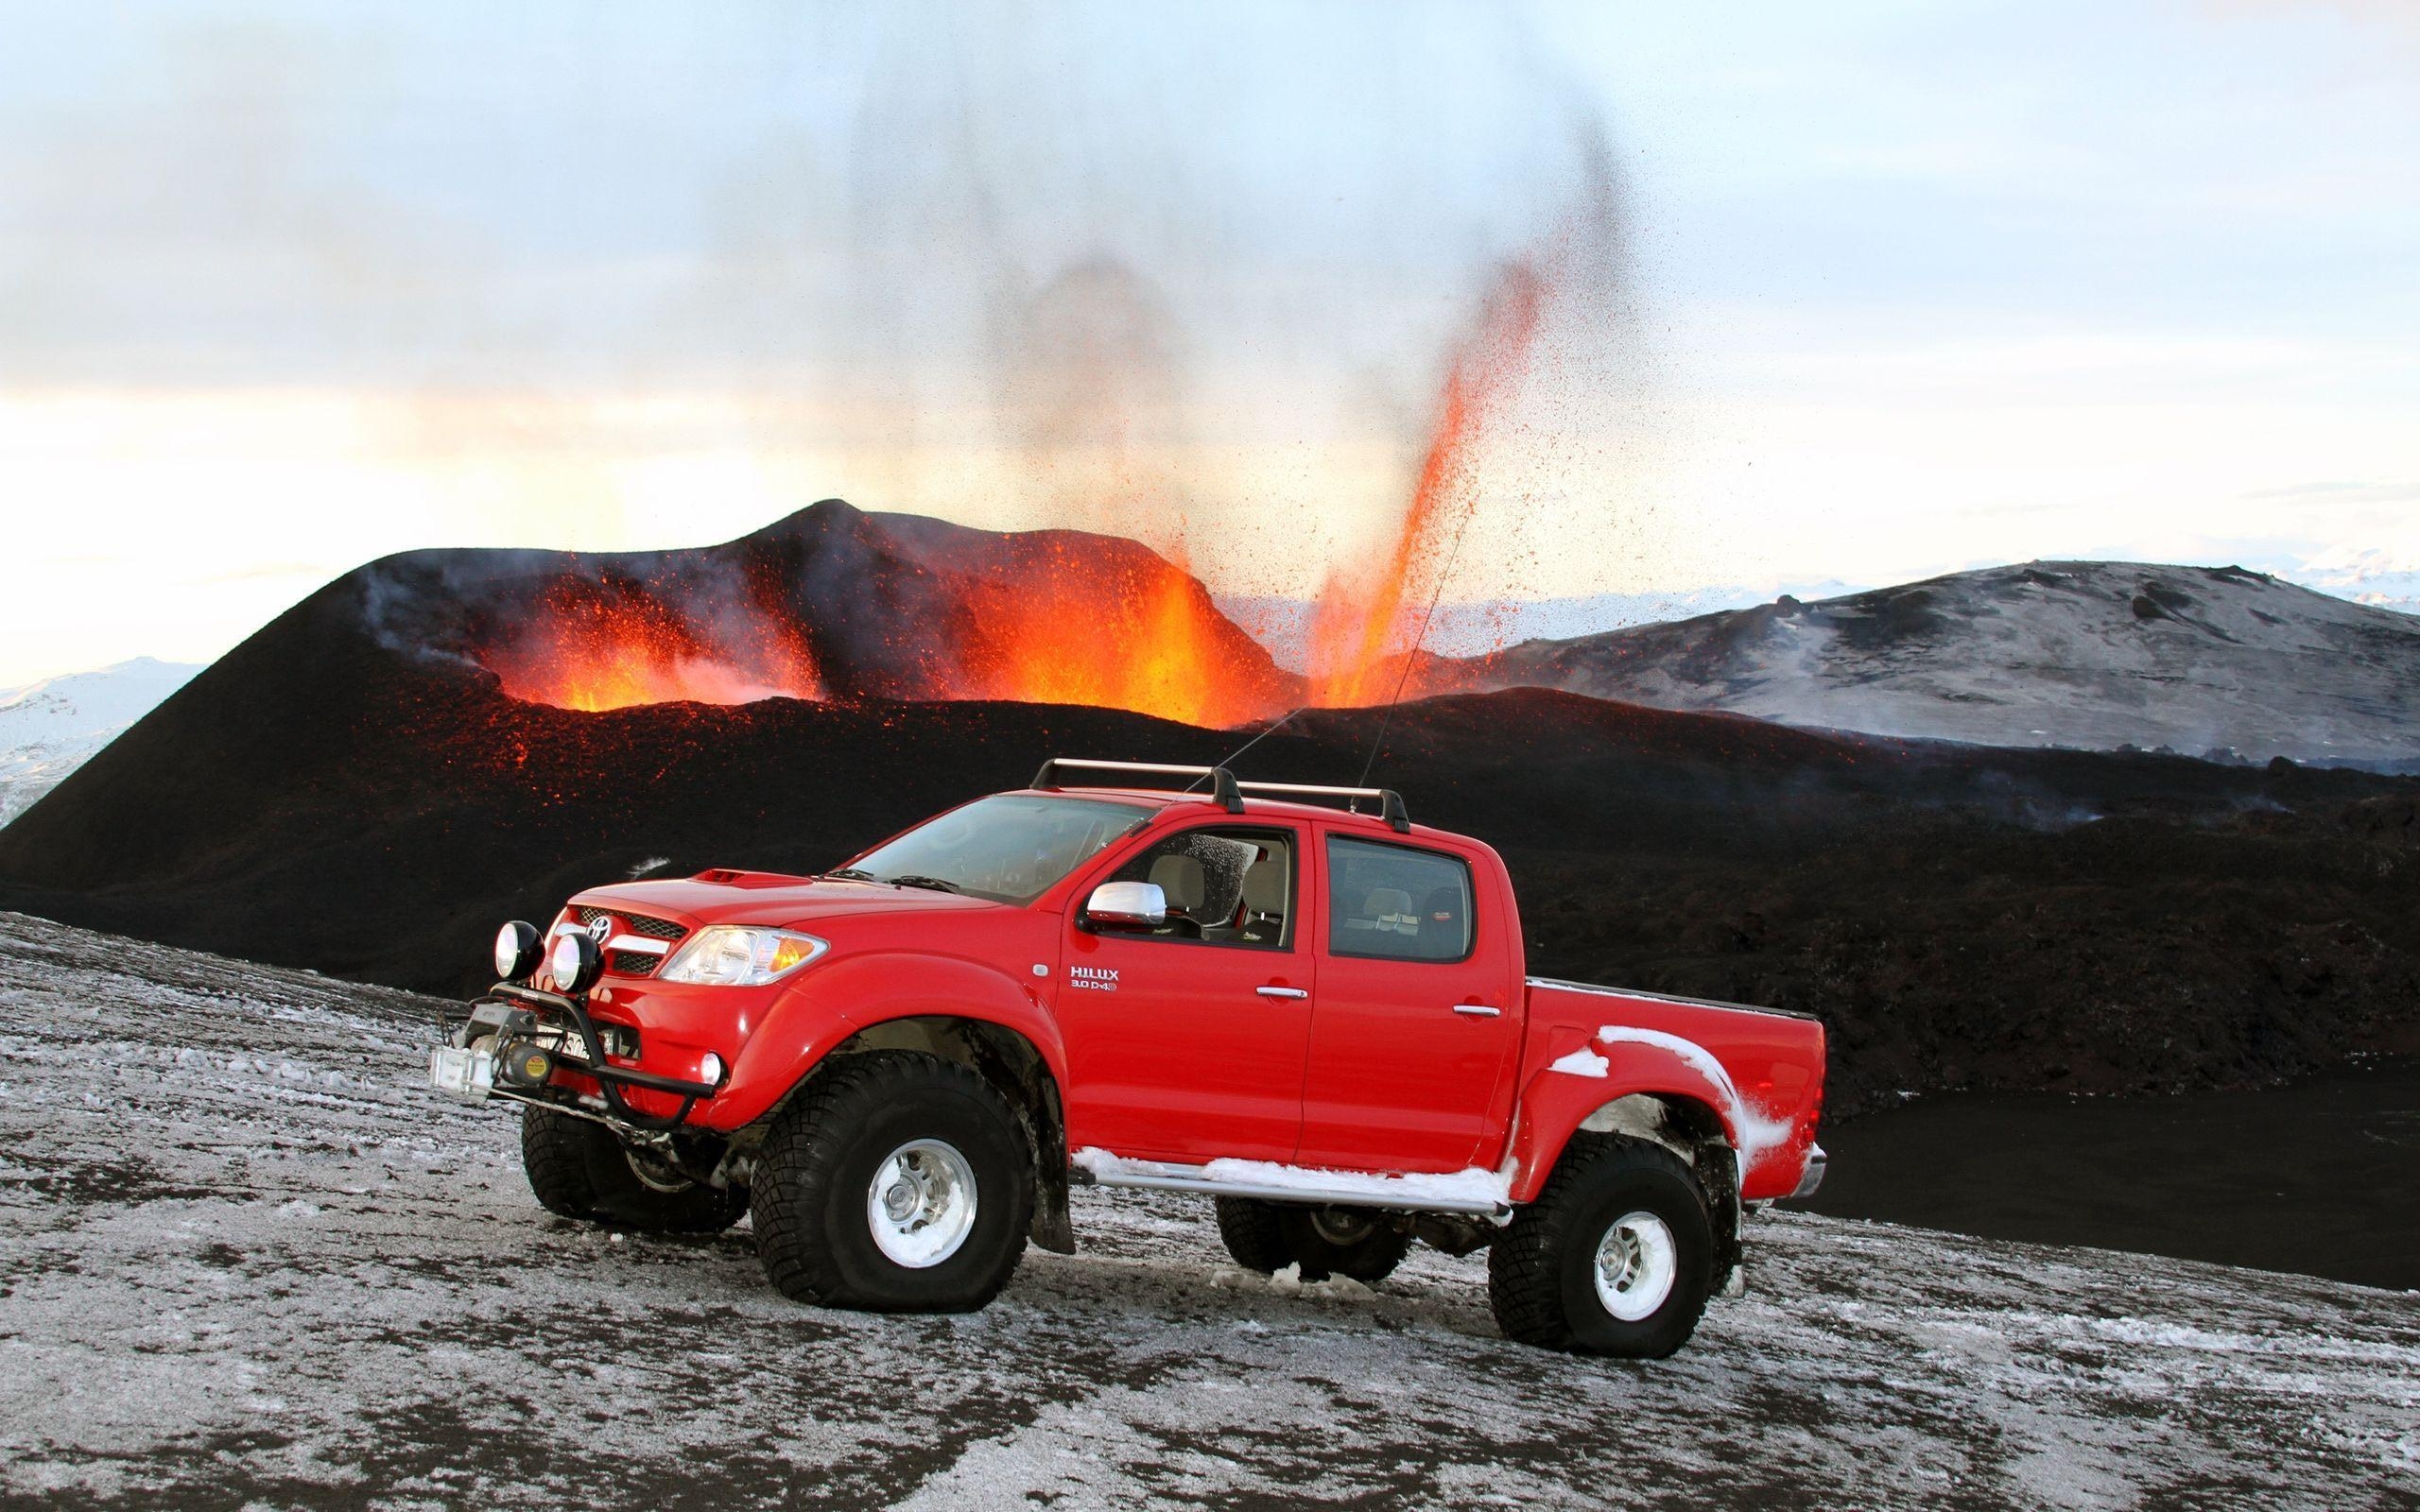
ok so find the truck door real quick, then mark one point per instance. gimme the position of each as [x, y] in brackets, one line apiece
[1187, 1042]
[1414, 1021]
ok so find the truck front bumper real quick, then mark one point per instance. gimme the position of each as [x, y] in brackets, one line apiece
[514, 1042]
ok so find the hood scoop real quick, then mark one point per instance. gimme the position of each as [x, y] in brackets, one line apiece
[727, 878]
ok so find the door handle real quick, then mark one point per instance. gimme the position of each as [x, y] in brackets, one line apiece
[1281, 991]
[1477, 1010]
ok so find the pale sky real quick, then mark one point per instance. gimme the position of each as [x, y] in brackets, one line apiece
[1888, 290]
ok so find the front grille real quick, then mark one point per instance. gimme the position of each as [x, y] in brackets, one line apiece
[633, 963]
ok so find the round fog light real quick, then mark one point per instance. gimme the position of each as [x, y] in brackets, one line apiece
[516, 951]
[710, 1068]
[575, 963]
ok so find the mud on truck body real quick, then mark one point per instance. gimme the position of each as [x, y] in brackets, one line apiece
[1316, 1016]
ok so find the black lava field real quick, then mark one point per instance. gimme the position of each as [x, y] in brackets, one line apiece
[331, 797]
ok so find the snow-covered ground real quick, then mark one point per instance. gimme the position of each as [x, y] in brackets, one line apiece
[50, 727]
[247, 1260]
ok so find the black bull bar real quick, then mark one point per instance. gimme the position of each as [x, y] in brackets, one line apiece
[515, 1011]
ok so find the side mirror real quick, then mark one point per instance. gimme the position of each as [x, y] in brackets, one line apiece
[1126, 906]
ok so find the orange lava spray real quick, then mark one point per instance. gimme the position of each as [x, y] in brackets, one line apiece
[1364, 618]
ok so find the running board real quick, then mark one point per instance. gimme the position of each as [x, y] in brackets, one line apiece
[1474, 1193]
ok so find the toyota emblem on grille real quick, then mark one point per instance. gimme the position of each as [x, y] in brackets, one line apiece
[600, 929]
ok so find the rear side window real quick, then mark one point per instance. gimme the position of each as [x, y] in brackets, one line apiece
[1397, 904]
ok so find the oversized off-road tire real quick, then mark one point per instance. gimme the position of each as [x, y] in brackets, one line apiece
[579, 1169]
[1616, 1257]
[1325, 1242]
[897, 1182]
[1343, 1242]
[1248, 1228]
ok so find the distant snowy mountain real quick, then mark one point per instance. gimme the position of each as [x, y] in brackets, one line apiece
[2086, 654]
[50, 727]
[2377, 576]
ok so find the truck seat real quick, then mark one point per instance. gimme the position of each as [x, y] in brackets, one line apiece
[1183, 880]
[1264, 902]
[1388, 911]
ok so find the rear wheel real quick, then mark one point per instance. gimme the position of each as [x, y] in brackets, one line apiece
[1268, 1236]
[1616, 1257]
[898, 1182]
[1250, 1230]
[579, 1169]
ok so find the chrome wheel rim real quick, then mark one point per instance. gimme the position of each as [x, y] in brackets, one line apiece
[921, 1203]
[1637, 1263]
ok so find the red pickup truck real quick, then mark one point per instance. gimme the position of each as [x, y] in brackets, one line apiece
[1316, 1015]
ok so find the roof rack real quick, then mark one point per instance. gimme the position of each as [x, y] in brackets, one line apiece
[1229, 793]
[1222, 781]
[1390, 801]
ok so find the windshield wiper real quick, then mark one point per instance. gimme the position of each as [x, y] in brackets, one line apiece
[936, 883]
[851, 874]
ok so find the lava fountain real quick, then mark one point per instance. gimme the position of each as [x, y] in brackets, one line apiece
[1364, 618]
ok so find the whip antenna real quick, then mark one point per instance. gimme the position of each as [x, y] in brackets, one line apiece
[1247, 745]
[1414, 655]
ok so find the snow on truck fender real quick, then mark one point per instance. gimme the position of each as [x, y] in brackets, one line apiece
[1759, 1073]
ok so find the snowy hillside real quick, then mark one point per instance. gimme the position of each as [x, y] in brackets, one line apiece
[248, 1259]
[2084, 654]
[48, 729]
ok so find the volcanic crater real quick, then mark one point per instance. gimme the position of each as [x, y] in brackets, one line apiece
[832, 602]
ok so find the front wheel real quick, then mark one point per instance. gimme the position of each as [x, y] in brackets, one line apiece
[579, 1169]
[898, 1182]
[1616, 1257]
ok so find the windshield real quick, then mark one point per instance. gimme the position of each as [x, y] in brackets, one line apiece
[1010, 848]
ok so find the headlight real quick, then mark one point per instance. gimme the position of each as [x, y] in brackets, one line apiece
[728, 955]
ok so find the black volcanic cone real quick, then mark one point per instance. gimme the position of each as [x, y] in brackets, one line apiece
[868, 606]
[352, 790]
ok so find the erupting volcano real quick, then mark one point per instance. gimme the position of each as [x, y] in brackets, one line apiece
[833, 604]
[837, 605]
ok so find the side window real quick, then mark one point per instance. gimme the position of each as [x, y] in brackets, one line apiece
[1228, 886]
[1397, 904]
